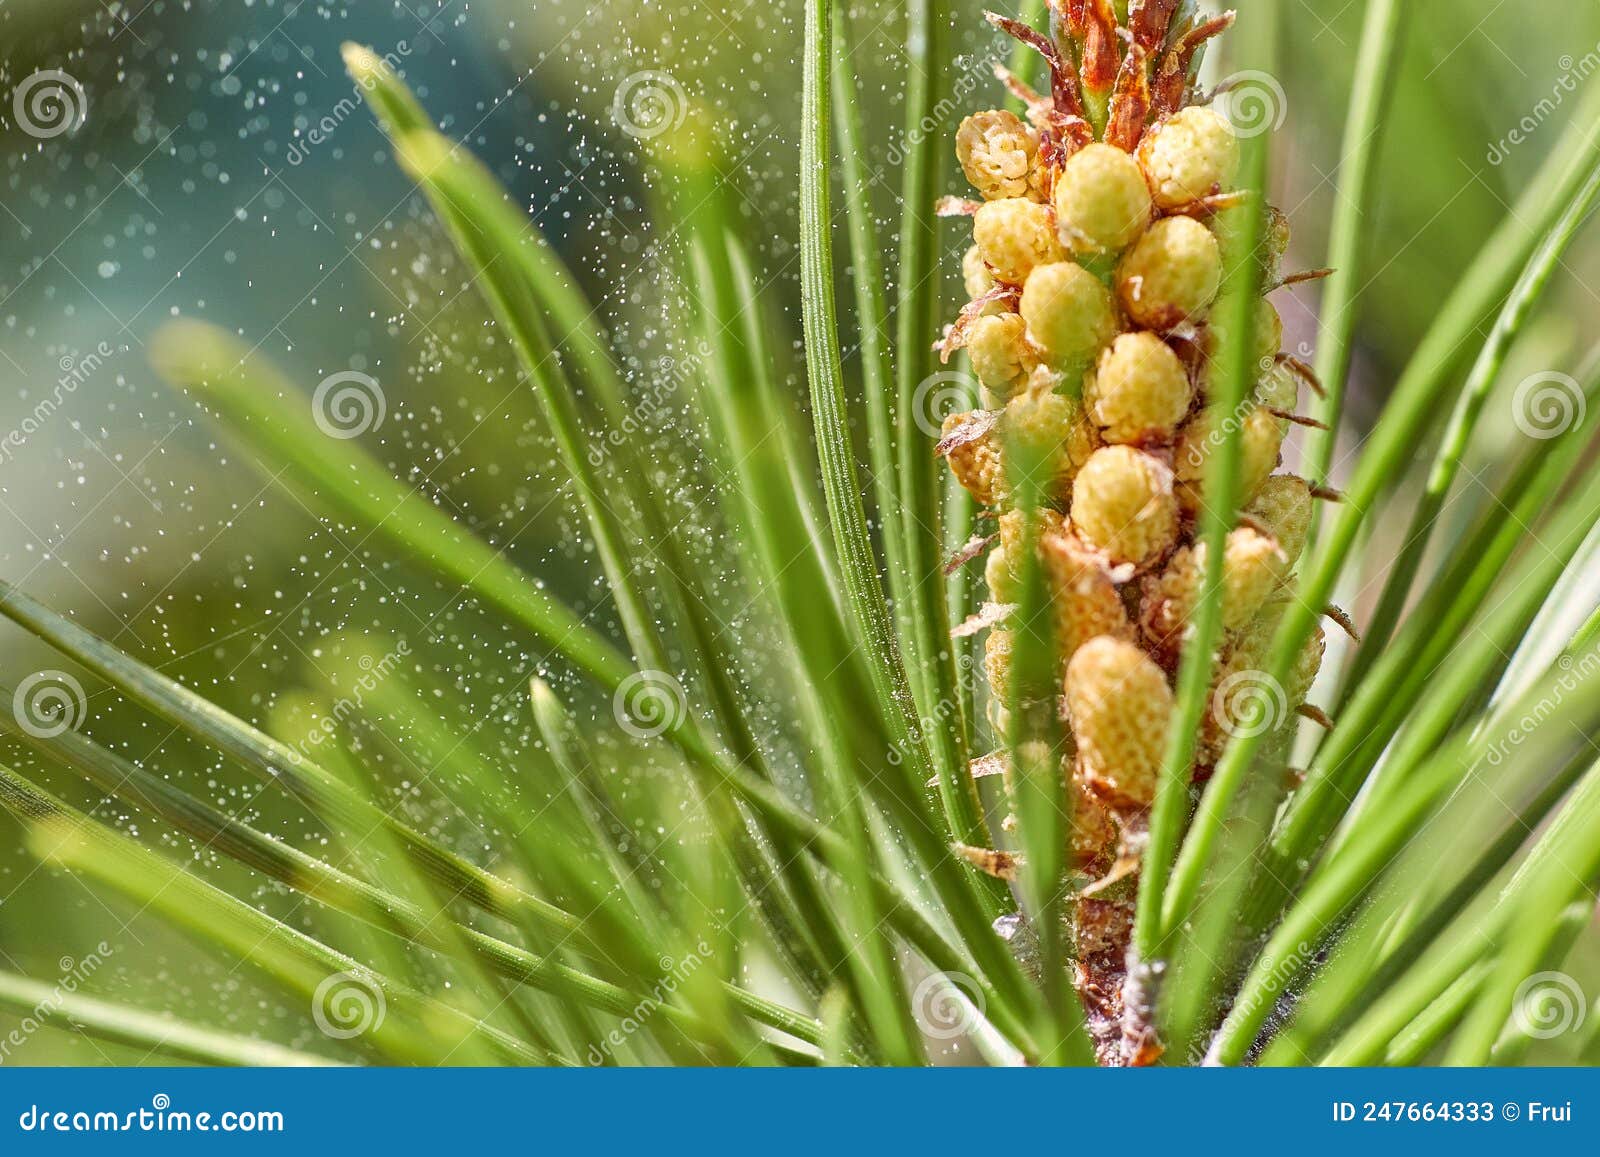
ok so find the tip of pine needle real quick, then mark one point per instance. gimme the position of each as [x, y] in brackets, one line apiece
[360, 62]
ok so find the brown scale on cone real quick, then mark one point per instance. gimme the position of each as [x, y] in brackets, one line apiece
[1092, 279]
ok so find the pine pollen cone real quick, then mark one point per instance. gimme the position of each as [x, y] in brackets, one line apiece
[1094, 274]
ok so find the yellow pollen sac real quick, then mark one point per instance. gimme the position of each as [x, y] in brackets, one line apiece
[1102, 202]
[1050, 426]
[1171, 274]
[1123, 504]
[997, 153]
[1013, 525]
[1243, 698]
[1274, 244]
[998, 347]
[997, 664]
[1267, 335]
[1083, 596]
[1139, 392]
[977, 464]
[1070, 314]
[1260, 439]
[1003, 570]
[1306, 666]
[1251, 649]
[1191, 155]
[1282, 506]
[999, 577]
[1278, 388]
[1120, 706]
[1252, 569]
[1014, 235]
[975, 277]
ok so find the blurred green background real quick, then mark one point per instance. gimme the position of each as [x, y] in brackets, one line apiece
[191, 188]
